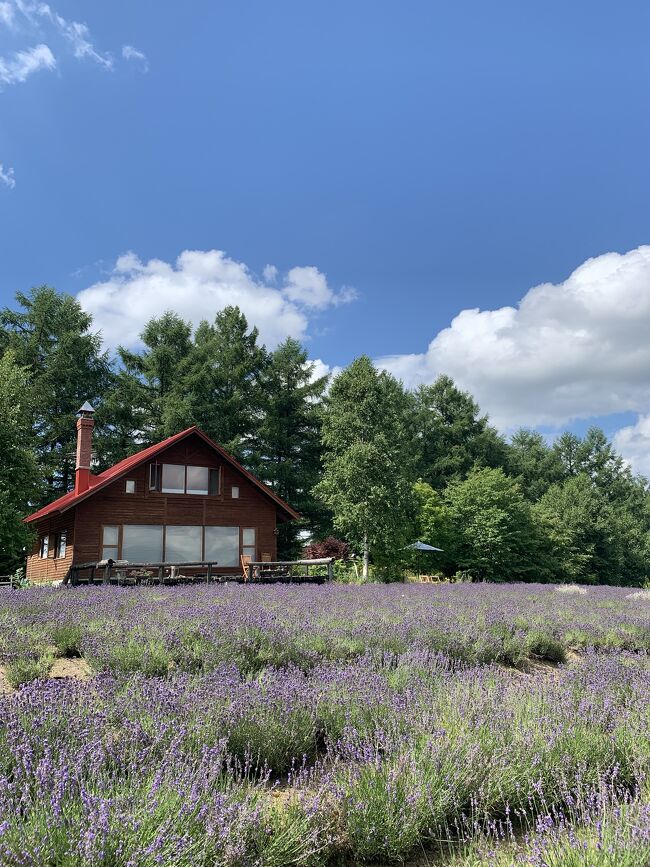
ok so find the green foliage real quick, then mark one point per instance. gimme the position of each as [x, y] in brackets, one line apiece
[534, 463]
[52, 340]
[596, 540]
[18, 471]
[449, 434]
[67, 639]
[494, 535]
[286, 442]
[27, 668]
[367, 467]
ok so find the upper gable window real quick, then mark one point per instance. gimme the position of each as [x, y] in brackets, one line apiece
[198, 479]
[130, 486]
[173, 479]
[179, 479]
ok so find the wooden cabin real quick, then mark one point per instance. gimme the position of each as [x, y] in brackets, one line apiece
[183, 500]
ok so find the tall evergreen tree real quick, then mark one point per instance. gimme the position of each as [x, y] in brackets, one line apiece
[367, 468]
[51, 338]
[534, 463]
[218, 382]
[450, 435]
[287, 445]
[18, 468]
[147, 386]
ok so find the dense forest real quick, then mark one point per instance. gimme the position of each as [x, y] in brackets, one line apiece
[360, 457]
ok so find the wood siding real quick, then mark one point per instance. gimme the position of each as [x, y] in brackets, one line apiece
[52, 568]
[114, 506]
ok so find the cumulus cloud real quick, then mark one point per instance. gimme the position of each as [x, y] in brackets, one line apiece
[196, 286]
[569, 350]
[18, 68]
[308, 286]
[7, 177]
[131, 53]
[633, 442]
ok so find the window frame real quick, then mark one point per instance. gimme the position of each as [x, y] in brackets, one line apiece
[131, 482]
[60, 537]
[117, 546]
[44, 546]
[245, 550]
[155, 483]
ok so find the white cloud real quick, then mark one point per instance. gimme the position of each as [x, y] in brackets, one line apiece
[7, 177]
[41, 15]
[633, 442]
[570, 350]
[308, 286]
[6, 14]
[131, 53]
[270, 273]
[24, 63]
[196, 286]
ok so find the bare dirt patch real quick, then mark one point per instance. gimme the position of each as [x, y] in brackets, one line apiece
[5, 686]
[78, 669]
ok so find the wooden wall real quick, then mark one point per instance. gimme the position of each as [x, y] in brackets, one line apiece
[114, 506]
[53, 568]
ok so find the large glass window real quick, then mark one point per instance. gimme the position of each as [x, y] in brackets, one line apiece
[142, 543]
[248, 542]
[222, 545]
[183, 544]
[197, 480]
[173, 479]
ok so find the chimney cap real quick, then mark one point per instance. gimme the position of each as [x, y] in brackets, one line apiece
[85, 409]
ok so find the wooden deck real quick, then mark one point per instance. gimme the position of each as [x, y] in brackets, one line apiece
[125, 574]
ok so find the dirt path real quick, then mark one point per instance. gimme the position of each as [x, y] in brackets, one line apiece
[77, 669]
[5, 687]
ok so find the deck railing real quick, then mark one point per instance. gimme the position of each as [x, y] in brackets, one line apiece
[123, 572]
[290, 571]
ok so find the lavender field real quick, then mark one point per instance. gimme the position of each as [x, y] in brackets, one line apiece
[457, 724]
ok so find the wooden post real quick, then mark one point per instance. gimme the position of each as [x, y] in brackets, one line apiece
[107, 574]
[330, 571]
[208, 577]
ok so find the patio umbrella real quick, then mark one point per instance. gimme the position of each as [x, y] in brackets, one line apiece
[421, 546]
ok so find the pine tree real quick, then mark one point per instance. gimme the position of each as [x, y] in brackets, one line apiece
[450, 436]
[218, 382]
[287, 445]
[18, 468]
[51, 337]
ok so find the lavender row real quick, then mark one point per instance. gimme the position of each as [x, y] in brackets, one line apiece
[354, 761]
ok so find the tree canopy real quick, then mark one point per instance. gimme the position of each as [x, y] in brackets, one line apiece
[369, 460]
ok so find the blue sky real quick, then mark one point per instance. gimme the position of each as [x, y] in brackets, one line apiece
[398, 164]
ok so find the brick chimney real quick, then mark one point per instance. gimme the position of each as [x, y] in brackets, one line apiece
[85, 425]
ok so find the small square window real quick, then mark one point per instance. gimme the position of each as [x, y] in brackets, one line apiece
[235, 492]
[130, 486]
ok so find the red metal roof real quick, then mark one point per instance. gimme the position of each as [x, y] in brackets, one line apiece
[67, 501]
